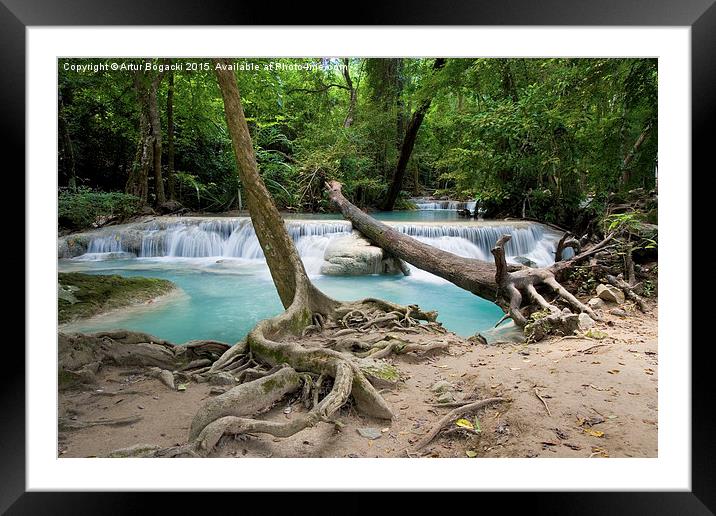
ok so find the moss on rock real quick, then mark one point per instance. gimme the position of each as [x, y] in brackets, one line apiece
[95, 293]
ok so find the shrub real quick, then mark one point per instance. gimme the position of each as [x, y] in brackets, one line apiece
[84, 208]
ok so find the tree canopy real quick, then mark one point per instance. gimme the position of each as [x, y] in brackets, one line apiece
[540, 138]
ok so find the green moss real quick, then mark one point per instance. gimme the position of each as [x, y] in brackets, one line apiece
[384, 372]
[596, 334]
[99, 293]
[66, 379]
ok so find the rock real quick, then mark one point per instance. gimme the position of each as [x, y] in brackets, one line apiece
[217, 390]
[585, 322]
[441, 386]
[596, 304]
[619, 312]
[65, 292]
[610, 294]
[369, 433]
[169, 207]
[222, 378]
[525, 261]
[353, 255]
[445, 397]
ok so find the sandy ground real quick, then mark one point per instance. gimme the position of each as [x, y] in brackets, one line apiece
[599, 399]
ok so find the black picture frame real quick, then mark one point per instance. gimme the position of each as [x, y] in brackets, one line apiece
[700, 15]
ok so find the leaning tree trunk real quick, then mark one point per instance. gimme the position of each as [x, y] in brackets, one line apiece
[406, 149]
[504, 284]
[276, 342]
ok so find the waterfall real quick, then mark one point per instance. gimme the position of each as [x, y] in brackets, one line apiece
[475, 241]
[236, 238]
[423, 204]
[219, 237]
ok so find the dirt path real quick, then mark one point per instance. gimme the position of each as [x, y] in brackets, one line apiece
[601, 396]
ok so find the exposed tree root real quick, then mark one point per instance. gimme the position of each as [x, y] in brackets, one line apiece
[513, 285]
[628, 291]
[75, 424]
[451, 417]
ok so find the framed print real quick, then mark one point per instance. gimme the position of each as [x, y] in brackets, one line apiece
[314, 257]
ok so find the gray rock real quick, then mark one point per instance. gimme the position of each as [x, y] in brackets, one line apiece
[610, 294]
[369, 433]
[217, 390]
[619, 312]
[525, 261]
[222, 378]
[353, 255]
[445, 397]
[596, 304]
[65, 292]
[441, 386]
[585, 322]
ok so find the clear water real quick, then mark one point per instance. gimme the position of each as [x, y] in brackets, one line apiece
[223, 301]
[226, 287]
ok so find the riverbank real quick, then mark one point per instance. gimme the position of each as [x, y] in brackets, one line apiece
[81, 296]
[567, 397]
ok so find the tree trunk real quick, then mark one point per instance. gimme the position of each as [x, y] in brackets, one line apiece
[281, 255]
[170, 137]
[350, 116]
[68, 149]
[626, 171]
[406, 149]
[499, 282]
[155, 123]
[139, 173]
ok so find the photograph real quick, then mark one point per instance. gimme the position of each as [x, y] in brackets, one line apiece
[349, 256]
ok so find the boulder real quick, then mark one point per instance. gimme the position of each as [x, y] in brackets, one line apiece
[610, 294]
[441, 386]
[585, 322]
[596, 304]
[445, 397]
[524, 261]
[353, 255]
[170, 207]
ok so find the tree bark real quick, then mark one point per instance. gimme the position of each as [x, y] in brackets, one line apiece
[626, 171]
[155, 123]
[406, 149]
[350, 116]
[139, 173]
[475, 276]
[170, 137]
[499, 282]
[68, 148]
[281, 256]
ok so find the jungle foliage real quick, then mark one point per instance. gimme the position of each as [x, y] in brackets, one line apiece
[550, 139]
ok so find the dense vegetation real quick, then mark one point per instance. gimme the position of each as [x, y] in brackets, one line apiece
[542, 138]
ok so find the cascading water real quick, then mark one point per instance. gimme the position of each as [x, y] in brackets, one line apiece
[476, 241]
[226, 287]
[423, 204]
[235, 238]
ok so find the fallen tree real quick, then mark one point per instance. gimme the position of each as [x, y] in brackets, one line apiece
[505, 284]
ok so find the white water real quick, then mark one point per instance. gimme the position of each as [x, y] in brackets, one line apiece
[235, 238]
[423, 204]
